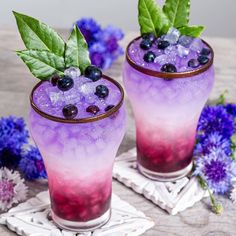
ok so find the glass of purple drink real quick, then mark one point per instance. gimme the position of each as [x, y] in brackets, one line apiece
[78, 153]
[168, 81]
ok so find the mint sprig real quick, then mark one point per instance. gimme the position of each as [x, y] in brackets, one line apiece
[39, 36]
[175, 13]
[151, 18]
[42, 64]
[47, 53]
[193, 31]
[76, 53]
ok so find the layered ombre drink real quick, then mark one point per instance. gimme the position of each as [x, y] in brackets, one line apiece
[78, 153]
[168, 80]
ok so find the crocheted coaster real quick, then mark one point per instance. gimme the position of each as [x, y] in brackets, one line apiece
[30, 219]
[170, 196]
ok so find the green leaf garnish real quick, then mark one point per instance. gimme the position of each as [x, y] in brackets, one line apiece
[77, 50]
[193, 31]
[177, 12]
[42, 64]
[39, 36]
[151, 18]
[47, 53]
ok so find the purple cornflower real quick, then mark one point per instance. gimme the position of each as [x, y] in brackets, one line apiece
[217, 169]
[103, 44]
[13, 135]
[31, 164]
[89, 28]
[212, 142]
[216, 119]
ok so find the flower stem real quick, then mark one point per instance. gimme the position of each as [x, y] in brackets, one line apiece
[217, 208]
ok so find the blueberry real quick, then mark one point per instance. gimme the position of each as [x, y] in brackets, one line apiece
[149, 57]
[109, 107]
[149, 36]
[70, 111]
[169, 68]
[193, 63]
[205, 52]
[203, 60]
[163, 44]
[54, 79]
[93, 73]
[102, 91]
[65, 83]
[146, 44]
[93, 109]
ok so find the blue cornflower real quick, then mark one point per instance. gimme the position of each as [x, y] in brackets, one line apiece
[31, 164]
[217, 169]
[231, 109]
[216, 119]
[13, 135]
[89, 28]
[211, 142]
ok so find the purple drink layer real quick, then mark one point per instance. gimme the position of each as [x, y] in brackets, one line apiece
[51, 100]
[186, 54]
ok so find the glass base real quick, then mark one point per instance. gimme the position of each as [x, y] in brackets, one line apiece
[166, 177]
[81, 226]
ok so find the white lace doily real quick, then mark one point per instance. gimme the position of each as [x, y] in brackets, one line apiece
[171, 196]
[30, 219]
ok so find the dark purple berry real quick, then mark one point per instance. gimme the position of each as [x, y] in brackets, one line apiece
[93, 73]
[149, 57]
[65, 83]
[109, 107]
[70, 111]
[102, 91]
[93, 109]
[205, 52]
[203, 60]
[162, 44]
[169, 68]
[54, 79]
[193, 63]
[145, 44]
[149, 36]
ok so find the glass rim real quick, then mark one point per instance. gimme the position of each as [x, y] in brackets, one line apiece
[165, 75]
[82, 120]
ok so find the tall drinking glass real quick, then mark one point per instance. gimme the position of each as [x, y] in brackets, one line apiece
[166, 108]
[79, 156]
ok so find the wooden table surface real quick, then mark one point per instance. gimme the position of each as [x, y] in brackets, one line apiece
[16, 83]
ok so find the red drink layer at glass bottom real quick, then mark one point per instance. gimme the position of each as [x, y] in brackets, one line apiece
[79, 153]
[166, 108]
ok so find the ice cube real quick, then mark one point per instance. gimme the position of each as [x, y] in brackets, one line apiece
[72, 72]
[171, 50]
[182, 51]
[172, 35]
[87, 89]
[56, 96]
[196, 45]
[72, 96]
[162, 59]
[185, 41]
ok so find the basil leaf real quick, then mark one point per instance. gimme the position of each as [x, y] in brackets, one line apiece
[42, 64]
[193, 31]
[151, 18]
[177, 12]
[77, 53]
[39, 36]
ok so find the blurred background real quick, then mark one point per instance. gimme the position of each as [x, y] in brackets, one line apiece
[217, 16]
